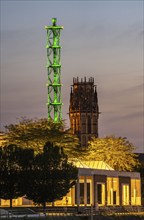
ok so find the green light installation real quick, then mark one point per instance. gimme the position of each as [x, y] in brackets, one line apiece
[53, 47]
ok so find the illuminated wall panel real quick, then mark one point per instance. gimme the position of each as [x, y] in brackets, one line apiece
[125, 194]
[15, 202]
[112, 191]
[135, 192]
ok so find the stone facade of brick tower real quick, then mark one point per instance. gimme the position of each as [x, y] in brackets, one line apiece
[83, 110]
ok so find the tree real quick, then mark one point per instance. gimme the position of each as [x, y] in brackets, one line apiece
[34, 133]
[14, 171]
[117, 152]
[52, 175]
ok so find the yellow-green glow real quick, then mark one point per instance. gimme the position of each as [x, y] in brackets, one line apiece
[54, 71]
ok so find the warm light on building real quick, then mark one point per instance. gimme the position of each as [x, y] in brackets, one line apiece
[84, 110]
[97, 183]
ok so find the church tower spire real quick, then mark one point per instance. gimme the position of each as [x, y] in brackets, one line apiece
[84, 110]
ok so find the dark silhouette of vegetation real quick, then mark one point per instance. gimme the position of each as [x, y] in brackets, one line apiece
[14, 165]
[52, 175]
[44, 177]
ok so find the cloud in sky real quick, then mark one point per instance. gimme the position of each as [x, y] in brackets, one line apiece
[100, 39]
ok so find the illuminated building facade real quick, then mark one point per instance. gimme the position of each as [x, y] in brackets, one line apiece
[97, 183]
[83, 110]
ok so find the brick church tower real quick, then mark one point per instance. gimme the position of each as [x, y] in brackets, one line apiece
[83, 110]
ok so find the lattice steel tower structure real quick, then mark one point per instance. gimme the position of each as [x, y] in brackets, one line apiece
[54, 100]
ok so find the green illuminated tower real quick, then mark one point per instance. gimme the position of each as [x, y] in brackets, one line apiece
[54, 101]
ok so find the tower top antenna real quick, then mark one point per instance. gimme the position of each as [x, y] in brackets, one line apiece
[54, 20]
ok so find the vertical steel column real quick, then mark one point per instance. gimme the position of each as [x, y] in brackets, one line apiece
[54, 101]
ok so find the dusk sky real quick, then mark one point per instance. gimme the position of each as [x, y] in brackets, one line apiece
[100, 39]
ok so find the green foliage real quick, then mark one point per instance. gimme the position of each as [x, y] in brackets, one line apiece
[34, 133]
[52, 175]
[117, 152]
[14, 166]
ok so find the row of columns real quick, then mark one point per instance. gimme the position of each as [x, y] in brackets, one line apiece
[85, 191]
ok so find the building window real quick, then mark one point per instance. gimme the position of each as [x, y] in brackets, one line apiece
[100, 197]
[88, 193]
[114, 197]
[112, 191]
[77, 124]
[99, 193]
[125, 194]
[89, 125]
[83, 128]
[135, 192]
[83, 196]
[81, 193]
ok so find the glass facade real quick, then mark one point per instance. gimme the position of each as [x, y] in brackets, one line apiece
[125, 194]
[88, 192]
[100, 193]
[135, 192]
[15, 202]
[112, 191]
[83, 191]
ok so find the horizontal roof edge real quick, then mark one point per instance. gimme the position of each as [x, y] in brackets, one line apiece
[108, 173]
